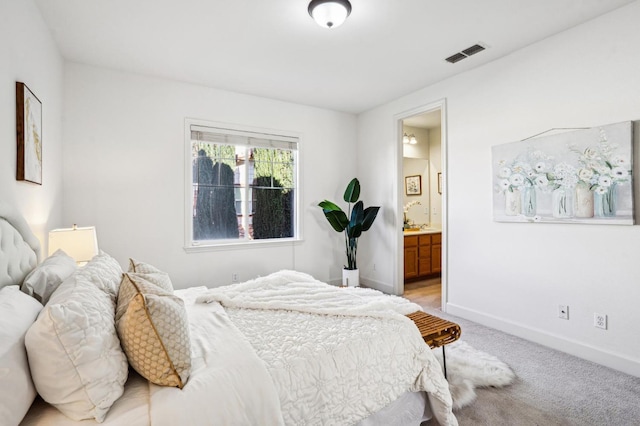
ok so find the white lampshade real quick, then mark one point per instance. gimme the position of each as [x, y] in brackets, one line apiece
[329, 13]
[79, 243]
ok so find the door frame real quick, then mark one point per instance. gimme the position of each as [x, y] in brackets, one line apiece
[398, 120]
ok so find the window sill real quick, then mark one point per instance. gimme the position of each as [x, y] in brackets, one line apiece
[253, 244]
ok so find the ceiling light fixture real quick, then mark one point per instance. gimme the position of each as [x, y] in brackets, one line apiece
[329, 13]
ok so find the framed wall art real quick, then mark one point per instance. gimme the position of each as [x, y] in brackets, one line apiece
[413, 185]
[29, 135]
[583, 176]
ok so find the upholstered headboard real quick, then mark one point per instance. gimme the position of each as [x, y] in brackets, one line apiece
[19, 248]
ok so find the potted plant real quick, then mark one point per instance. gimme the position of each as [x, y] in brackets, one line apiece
[353, 224]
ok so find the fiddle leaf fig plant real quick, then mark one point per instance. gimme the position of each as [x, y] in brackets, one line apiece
[353, 223]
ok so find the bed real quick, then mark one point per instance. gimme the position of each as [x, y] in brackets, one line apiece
[284, 349]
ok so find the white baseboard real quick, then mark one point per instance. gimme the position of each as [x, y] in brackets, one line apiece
[572, 347]
[378, 285]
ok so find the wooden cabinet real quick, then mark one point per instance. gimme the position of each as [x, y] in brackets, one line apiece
[410, 257]
[422, 255]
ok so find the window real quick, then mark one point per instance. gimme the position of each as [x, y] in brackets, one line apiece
[242, 186]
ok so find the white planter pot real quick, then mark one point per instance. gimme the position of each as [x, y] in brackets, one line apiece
[350, 277]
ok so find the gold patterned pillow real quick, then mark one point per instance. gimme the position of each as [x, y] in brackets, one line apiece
[154, 330]
[146, 268]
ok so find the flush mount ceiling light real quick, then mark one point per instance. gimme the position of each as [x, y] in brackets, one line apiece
[329, 13]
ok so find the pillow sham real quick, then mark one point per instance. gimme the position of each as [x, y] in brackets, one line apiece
[146, 268]
[47, 276]
[153, 328]
[75, 356]
[17, 312]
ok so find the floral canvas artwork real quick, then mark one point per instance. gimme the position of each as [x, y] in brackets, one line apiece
[581, 176]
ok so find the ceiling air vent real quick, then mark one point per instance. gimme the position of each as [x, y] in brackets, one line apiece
[473, 50]
[455, 58]
[465, 53]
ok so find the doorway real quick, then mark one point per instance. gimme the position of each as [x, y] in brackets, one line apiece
[421, 200]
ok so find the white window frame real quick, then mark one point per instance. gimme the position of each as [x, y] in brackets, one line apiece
[192, 246]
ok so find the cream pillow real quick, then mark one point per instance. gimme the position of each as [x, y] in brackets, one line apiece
[17, 312]
[154, 329]
[146, 268]
[75, 356]
[47, 276]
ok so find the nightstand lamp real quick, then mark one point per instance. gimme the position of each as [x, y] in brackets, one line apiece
[79, 243]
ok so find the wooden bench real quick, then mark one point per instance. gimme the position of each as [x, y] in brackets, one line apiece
[436, 332]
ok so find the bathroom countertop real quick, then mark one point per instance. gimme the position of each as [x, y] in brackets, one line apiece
[423, 231]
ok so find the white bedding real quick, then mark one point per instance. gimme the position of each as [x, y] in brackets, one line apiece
[335, 355]
[240, 377]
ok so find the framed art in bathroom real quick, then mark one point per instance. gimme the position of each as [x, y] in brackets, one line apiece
[413, 185]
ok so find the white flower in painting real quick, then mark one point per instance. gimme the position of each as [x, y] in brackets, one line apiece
[541, 181]
[601, 190]
[604, 181]
[537, 218]
[501, 163]
[505, 172]
[504, 184]
[590, 153]
[619, 173]
[531, 173]
[541, 167]
[516, 179]
[585, 174]
[620, 161]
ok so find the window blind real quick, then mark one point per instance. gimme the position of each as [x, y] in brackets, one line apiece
[242, 138]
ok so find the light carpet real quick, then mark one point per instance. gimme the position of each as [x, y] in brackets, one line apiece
[469, 368]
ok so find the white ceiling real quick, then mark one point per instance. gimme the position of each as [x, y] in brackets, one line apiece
[272, 48]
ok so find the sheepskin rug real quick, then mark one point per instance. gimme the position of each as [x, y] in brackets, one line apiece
[469, 368]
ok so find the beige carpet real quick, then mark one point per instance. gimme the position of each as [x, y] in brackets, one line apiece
[551, 388]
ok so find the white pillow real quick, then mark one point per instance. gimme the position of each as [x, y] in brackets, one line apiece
[47, 276]
[74, 352]
[17, 312]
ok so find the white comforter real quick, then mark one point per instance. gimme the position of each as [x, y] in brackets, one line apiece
[335, 355]
[305, 353]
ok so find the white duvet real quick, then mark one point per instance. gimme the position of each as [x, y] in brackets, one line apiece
[285, 350]
[336, 355]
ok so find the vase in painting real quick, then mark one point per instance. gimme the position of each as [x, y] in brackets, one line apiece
[513, 202]
[562, 203]
[604, 205]
[529, 201]
[583, 200]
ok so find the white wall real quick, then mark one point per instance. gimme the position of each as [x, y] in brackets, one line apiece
[513, 276]
[435, 167]
[28, 55]
[124, 142]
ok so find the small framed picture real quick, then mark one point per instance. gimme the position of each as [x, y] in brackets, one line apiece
[29, 135]
[413, 185]
[440, 183]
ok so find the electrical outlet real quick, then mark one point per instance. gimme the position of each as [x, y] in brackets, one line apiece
[600, 321]
[563, 311]
[234, 278]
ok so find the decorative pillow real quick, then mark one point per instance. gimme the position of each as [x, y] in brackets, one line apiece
[17, 312]
[47, 276]
[145, 268]
[154, 329]
[75, 356]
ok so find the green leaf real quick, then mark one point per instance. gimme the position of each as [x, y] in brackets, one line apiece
[354, 230]
[352, 193]
[329, 206]
[337, 219]
[370, 214]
